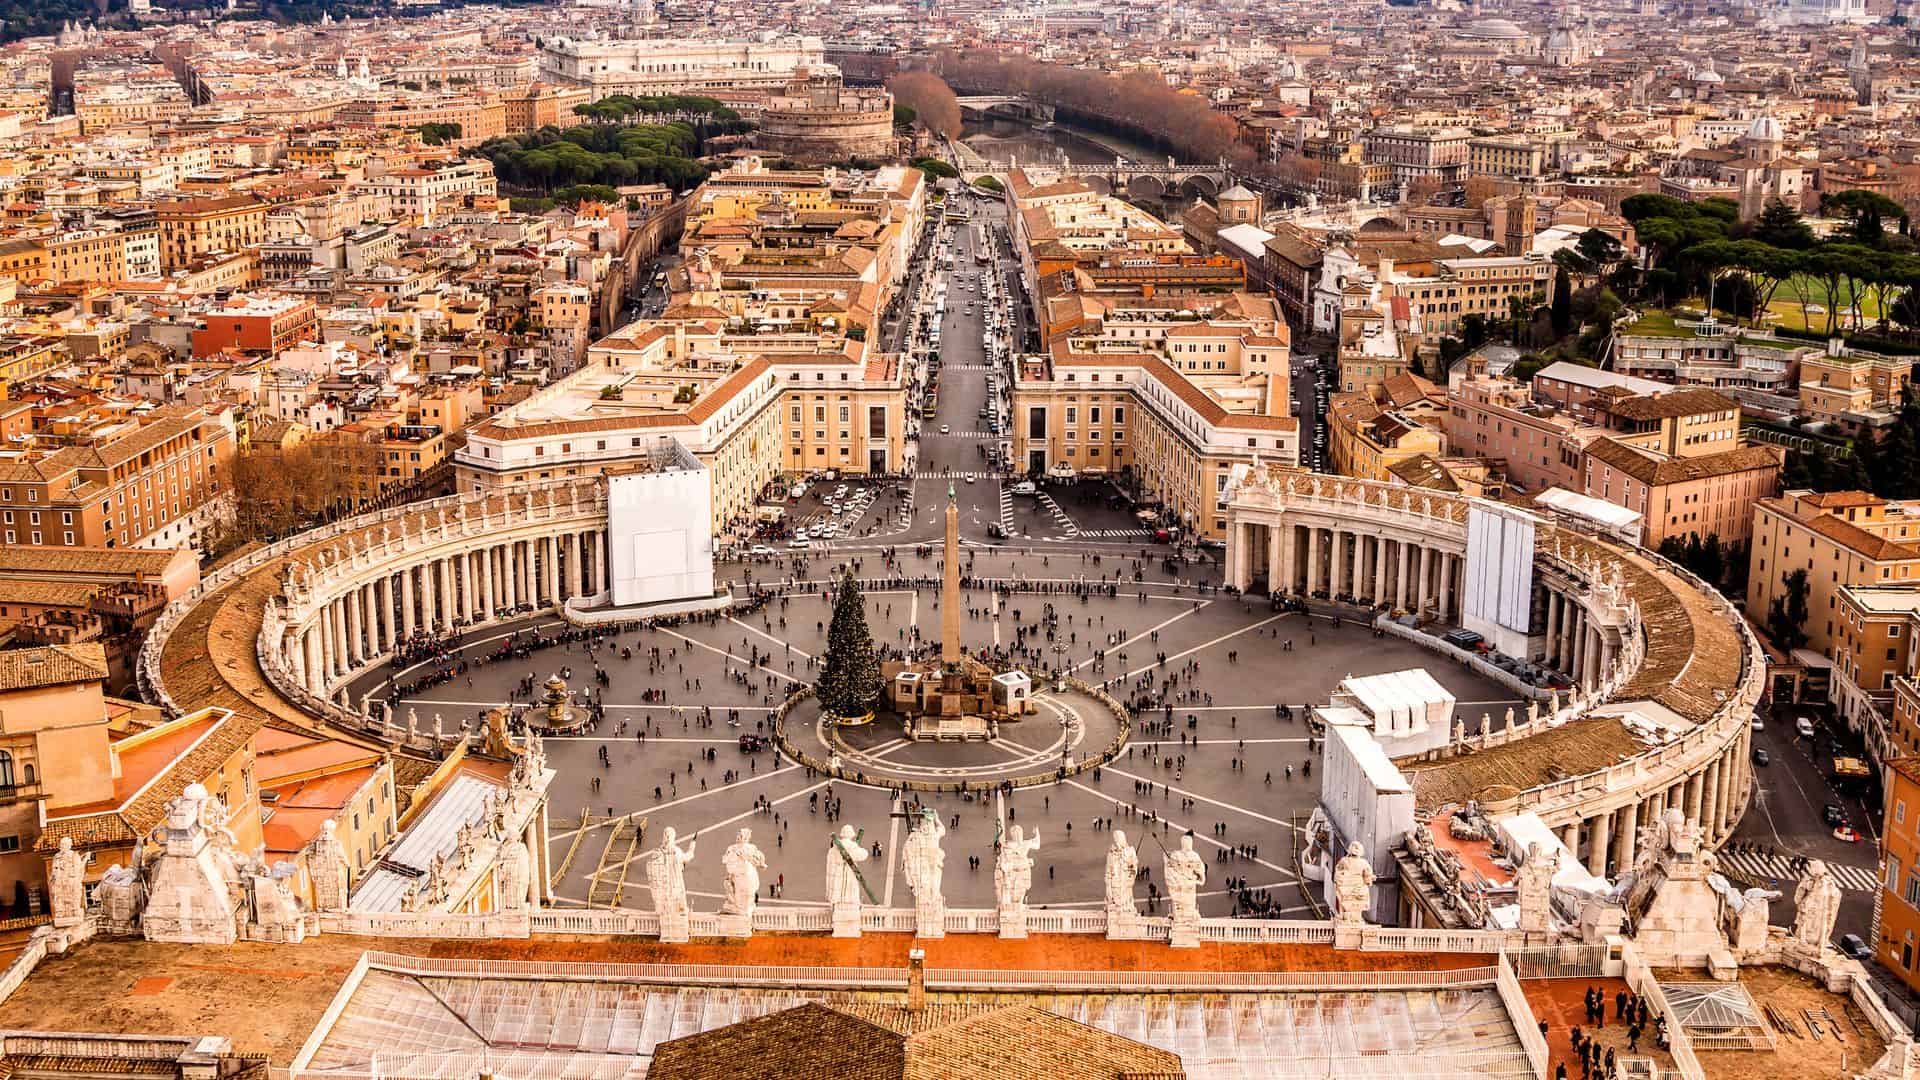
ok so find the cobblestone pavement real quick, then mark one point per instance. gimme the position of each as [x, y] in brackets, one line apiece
[1224, 765]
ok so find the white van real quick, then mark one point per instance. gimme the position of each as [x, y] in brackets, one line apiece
[1024, 487]
[1804, 726]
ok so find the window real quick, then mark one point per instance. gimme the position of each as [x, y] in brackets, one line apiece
[9, 844]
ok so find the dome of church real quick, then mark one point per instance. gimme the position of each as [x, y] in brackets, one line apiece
[1765, 129]
[1708, 75]
[1561, 40]
[1493, 30]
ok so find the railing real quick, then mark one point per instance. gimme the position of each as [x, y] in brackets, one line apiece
[1515, 1000]
[1066, 922]
[1559, 962]
[1641, 981]
[22, 966]
[425, 924]
[888, 920]
[1388, 939]
[962, 980]
[1266, 931]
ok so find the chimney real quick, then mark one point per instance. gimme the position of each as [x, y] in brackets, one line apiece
[916, 981]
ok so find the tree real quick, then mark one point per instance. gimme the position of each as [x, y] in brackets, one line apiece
[1781, 226]
[931, 100]
[850, 676]
[1866, 212]
[1787, 615]
[1562, 304]
[934, 168]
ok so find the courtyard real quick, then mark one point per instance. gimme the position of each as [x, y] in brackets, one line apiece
[1208, 748]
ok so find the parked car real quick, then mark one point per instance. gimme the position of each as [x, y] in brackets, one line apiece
[1025, 487]
[1853, 946]
[1461, 639]
[1831, 815]
[1757, 724]
[1846, 835]
[1804, 726]
[1760, 756]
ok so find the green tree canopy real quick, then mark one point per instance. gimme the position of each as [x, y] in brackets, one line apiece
[849, 682]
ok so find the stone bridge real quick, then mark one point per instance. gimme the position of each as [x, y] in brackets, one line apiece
[1007, 106]
[1137, 179]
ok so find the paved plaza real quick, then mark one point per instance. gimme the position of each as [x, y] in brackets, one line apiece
[1221, 771]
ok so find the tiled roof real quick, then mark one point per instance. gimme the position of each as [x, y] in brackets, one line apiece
[1677, 403]
[52, 665]
[1658, 471]
[884, 1042]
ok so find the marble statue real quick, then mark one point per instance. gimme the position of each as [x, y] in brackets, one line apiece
[1352, 886]
[1123, 868]
[844, 853]
[742, 862]
[1816, 903]
[1185, 871]
[1752, 915]
[327, 867]
[516, 874]
[666, 874]
[1534, 882]
[925, 863]
[1013, 870]
[66, 879]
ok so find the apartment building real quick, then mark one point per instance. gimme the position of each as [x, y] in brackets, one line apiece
[115, 481]
[1537, 444]
[1166, 410]
[1840, 538]
[1420, 153]
[751, 408]
[1872, 653]
[191, 229]
[1371, 439]
[1708, 353]
[254, 324]
[426, 194]
[1708, 494]
[1896, 925]
[1852, 389]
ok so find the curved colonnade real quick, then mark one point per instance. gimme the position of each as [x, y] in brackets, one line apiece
[1633, 633]
[283, 630]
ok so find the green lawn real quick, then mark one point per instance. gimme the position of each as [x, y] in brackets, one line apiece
[1786, 310]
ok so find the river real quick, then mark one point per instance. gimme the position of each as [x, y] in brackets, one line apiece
[1054, 144]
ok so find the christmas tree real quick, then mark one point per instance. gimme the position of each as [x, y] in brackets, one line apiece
[850, 678]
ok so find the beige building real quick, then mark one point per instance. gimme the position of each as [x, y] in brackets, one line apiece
[1167, 405]
[193, 228]
[1852, 389]
[1840, 538]
[751, 408]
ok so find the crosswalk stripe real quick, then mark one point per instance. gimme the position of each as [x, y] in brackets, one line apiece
[1780, 868]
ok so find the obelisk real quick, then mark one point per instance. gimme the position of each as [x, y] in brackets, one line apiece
[950, 588]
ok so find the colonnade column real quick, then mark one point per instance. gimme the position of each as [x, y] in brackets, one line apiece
[1628, 828]
[1556, 609]
[1426, 579]
[406, 599]
[1602, 827]
[1276, 565]
[1400, 582]
[551, 554]
[1696, 785]
[1339, 583]
[1313, 560]
[487, 606]
[315, 668]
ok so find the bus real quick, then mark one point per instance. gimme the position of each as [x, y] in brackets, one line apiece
[929, 412]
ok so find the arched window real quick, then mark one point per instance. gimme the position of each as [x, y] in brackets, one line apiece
[6, 769]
